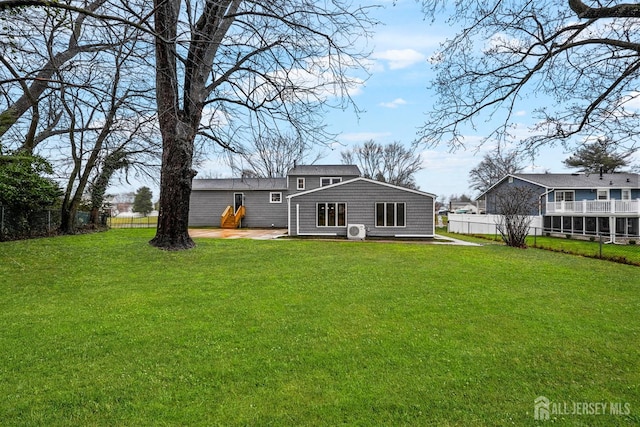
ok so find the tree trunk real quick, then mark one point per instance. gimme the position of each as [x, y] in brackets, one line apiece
[68, 216]
[175, 191]
[178, 129]
[94, 217]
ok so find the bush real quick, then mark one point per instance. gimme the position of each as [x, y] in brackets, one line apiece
[25, 194]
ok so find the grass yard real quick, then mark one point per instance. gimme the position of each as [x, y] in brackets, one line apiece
[615, 252]
[103, 329]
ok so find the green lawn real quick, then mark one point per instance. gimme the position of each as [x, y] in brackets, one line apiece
[616, 252]
[103, 329]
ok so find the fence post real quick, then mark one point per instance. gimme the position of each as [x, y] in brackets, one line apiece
[600, 239]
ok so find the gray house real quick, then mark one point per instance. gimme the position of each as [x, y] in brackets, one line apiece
[314, 200]
[578, 203]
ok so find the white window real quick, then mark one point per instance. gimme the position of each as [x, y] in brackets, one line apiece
[603, 194]
[565, 196]
[626, 194]
[329, 180]
[390, 214]
[275, 197]
[300, 185]
[331, 214]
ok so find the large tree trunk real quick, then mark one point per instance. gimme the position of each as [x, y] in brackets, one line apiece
[175, 191]
[178, 128]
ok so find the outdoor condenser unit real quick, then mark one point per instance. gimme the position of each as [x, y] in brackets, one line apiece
[356, 231]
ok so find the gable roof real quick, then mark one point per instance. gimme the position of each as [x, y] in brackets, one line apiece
[349, 181]
[325, 170]
[581, 180]
[552, 181]
[240, 184]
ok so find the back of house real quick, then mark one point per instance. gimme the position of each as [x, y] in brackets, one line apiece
[263, 200]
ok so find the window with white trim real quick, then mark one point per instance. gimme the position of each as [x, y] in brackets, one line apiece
[275, 197]
[626, 194]
[565, 196]
[603, 194]
[331, 214]
[329, 180]
[391, 214]
[300, 184]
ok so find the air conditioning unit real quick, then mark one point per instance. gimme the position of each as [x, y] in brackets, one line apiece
[356, 231]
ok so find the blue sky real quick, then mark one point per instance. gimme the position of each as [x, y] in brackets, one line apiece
[395, 99]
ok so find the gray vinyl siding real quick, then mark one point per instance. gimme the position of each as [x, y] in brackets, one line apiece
[360, 197]
[206, 207]
[312, 181]
[491, 194]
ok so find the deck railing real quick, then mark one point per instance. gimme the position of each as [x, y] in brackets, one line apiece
[230, 219]
[595, 207]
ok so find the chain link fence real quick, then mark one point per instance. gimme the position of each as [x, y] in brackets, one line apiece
[41, 223]
[24, 225]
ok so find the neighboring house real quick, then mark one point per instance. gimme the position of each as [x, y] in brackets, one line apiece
[579, 203]
[316, 200]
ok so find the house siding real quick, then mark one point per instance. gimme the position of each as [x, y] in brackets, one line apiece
[611, 217]
[360, 197]
[505, 184]
[312, 181]
[206, 207]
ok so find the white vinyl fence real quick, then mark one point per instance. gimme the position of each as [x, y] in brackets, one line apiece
[485, 224]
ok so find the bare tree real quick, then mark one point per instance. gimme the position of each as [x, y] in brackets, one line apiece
[272, 155]
[493, 167]
[515, 205]
[392, 163]
[41, 44]
[101, 139]
[267, 64]
[226, 67]
[580, 58]
[84, 88]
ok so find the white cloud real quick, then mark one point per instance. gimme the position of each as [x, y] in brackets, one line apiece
[631, 101]
[400, 58]
[393, 104]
